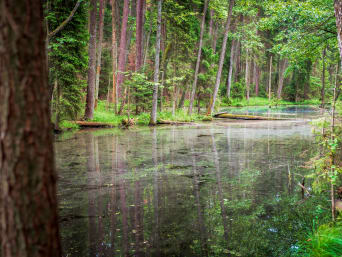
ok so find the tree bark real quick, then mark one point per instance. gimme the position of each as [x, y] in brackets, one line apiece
[256, 78]
[139, 34]
[270, 81]
[99, 49]
[193, 91]
[323, 77]
[153, 119]
[338, 16]
[114, 58]
[28, 202]
[122, 50]
[247, 75]
[282, 68]
[90, 104]
[231, 64]
[223, 53]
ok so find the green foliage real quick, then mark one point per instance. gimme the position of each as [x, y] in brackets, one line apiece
[68, 56]
[326, 241]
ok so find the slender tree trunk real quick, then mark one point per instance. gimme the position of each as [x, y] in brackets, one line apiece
[211, 13]
[122, 51]
[58, 105]
[193, 91]
[90, 104]
[270, 81]
[28, 202]
[223, 53]
[257, 79]
[214, 41]
[99, 50]
[231, 64]
[323, 78]
[114, 57]
[153, 119]
[147, 45]
[282, 68]
[338, 16]
[247, 74]
[139, 34]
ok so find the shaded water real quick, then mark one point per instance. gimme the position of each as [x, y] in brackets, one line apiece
[208, 190]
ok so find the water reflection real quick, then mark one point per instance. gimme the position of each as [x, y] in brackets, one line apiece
[185, 191]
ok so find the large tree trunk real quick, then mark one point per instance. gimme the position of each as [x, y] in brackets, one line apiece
[28, 202]
[89, 110]
[153, 119]
[338, 15]
[282, 68]
[231, 64]
[99, 49]
[256, 78]
[247, 77]
[193, 91]
[139, 34]
[223, 53]
[270, 81]
[122, 50]
[114, 57]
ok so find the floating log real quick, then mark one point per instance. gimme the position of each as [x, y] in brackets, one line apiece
[90, 124]
[244, 117]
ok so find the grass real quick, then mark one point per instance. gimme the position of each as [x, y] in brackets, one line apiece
[325, 241]
[261, 101]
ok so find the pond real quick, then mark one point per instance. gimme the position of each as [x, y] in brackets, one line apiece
[217, 189]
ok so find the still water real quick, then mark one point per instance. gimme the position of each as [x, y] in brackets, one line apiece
[217, 189]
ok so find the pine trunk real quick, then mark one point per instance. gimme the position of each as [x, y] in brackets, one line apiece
[193, 91]
[338, 16]
[282, 68]
[90, 104]
[223, 53]
[231, 64]
[323, 78]
[139, 35]
[99, 49]
[122, 50]
[28, 202]
[153, 119]
[247, 75]
[114, 57]
[270, 82]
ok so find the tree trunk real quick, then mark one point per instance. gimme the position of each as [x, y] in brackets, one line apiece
[114, 58]
[28, 202]
[231, 64]
[323, 78]
[211, 13]
[193, 91]
[247, 75]
[214, 42]
[338, 16]
[122, 50]
[99, 49]
[270, 81]
[139, 35]
[282, 68]
[153, 119]
[147, 44]
[89, 110]
[223, 53]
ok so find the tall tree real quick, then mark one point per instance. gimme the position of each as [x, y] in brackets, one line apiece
[223, 53]
[99, 49]
[114, 57]
[122, 49]
[153, 119]
[282, 68]
[139, 34]
[247, 76]
[28, 202]
[231, 64]
[90, 104]
[194, 86]
[338, 16]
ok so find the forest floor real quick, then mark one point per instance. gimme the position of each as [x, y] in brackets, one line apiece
[105, 114]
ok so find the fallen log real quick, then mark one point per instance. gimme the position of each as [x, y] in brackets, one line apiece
[245, 117]
[90, 124]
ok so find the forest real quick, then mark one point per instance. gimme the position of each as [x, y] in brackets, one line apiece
[170, 128]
